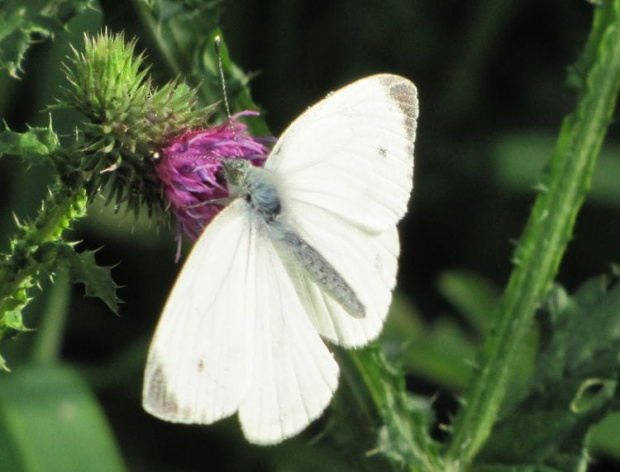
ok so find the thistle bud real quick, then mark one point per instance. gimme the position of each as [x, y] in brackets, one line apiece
[128, 120]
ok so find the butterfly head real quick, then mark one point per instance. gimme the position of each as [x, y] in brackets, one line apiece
[235, 173]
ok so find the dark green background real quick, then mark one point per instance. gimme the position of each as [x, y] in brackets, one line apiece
[492, 81]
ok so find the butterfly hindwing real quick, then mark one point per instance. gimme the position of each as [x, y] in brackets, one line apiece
[234, 336]
[295, 375]
[368, 262]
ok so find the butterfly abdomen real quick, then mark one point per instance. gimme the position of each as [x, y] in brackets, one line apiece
[318, 267]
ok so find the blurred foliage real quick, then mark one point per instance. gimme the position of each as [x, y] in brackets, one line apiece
[50, 420]
[24, 23]
[492, 82]
[574, 383]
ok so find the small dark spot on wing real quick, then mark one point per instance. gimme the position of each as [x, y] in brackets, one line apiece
[382, 152]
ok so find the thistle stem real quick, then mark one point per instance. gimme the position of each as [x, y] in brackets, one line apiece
[20, 270]
[546, 235]
[407, 428]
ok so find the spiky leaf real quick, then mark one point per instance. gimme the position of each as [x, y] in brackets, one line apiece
[33, 251]
[97, 279]
[36, 143]
[24, 23]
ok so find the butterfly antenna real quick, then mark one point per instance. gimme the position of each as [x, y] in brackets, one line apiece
[218, 51]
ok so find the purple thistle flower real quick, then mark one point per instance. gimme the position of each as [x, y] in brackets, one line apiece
[188, 171]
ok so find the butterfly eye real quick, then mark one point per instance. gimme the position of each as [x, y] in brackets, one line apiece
[220, 177]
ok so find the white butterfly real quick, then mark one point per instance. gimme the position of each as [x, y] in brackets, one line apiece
[308, 251]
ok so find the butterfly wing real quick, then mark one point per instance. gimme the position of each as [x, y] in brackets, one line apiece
[295, 375]
[352, 153]
[368, 262]
[200, 362]
[234, 336]
[346, 168]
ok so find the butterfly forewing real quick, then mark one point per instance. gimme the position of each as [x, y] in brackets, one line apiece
[201, 361]
[352, 153]
[346, 167]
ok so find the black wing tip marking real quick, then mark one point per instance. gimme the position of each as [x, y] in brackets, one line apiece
[405, 95]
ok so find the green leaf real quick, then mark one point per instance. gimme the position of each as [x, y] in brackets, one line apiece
[440, 352]
[22, 23]
[83, 269]
[51, 422]
[185, 33]
[575, 383]
[12, 321]
[603, 438]
[36, 143]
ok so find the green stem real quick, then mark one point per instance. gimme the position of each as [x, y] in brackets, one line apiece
[546, 235]
[405, 426]
[155, 31]
[49, 339]
[20, 270]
